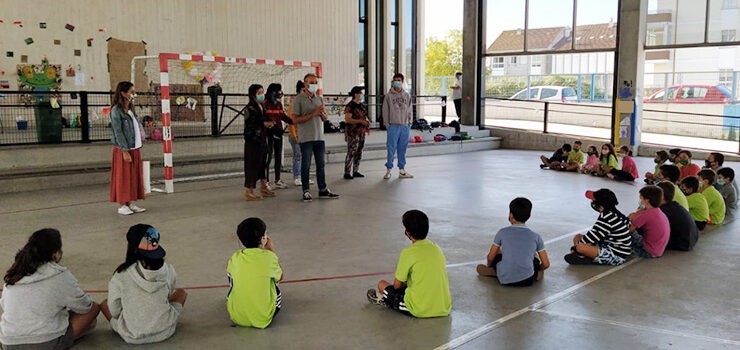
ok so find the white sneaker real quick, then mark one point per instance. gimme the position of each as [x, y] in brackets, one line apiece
[135, 208]
[310, 182]
[404, 175]
[124, 210]
[387, 174]
[279, 184]
[298, 182]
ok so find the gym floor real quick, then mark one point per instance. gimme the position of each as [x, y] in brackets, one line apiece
[334, 250]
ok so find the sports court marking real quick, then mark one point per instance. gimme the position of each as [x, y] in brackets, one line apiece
[640, 327]
[467, 337]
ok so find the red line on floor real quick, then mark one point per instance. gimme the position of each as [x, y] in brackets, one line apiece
[219, 286]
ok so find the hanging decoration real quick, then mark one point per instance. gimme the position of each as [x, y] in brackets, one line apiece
[207, 77]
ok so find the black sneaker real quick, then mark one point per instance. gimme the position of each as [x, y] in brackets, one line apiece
[575, 259]
[358, 175]
[372, 297]
[326, 194]
[307, 197]
[348, 177]
[543, 166]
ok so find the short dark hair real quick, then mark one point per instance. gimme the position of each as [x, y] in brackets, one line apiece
[416, 223]
[662, 155]
[626, 149]
[398, 75]
[671, 172]
[669, 190]
[578, 142]
[566, 147]
[299, 86]
[250, 232]
[707, 174]
[653, 194]
[521, 209]
[305, 77]
[458, 73]
[356, 90]
[718, 157]
[674, 151]
[691, 182]
[728, 173]
[686, 152]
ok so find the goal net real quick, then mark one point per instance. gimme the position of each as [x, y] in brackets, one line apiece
[173, 90]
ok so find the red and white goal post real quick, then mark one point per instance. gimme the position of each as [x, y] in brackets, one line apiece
[233, 74]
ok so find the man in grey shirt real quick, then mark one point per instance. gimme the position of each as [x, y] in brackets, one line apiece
[308, 112]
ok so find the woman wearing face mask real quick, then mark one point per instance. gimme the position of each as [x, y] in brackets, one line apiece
[127, 183]
[255, 145]
[355, 115]
[43, 306]
[276, 114]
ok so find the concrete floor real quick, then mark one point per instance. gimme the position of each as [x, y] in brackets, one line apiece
[684, 300]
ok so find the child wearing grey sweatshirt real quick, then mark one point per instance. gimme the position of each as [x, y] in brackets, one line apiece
[143, 304]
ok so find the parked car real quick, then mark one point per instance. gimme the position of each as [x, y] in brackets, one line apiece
[547, 93]
[691, 94]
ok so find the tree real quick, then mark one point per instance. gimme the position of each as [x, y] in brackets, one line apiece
[444, 57]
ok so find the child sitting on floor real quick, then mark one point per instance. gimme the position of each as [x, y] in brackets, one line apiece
[715, 202]
[650, 227]
[607, 160]
[575, 158]
[673, 156]
[517, 256]
[559, 156]
[726, 186]
[687, 167]
[698, 206]
[609, 241]
[254, 273]
[629, 168]
[684, 233]
[592, 161]
[671, 173]
[661, 157]
[420, 287]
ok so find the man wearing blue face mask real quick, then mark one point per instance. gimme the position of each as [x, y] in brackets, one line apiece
[397, 119]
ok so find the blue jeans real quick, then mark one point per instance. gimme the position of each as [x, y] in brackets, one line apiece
[398, 140]
[317, 148]
[296, 158]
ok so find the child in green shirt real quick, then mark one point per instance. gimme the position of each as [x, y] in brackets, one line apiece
[671, 173]
[607, 160]
[715, 202]
[420, 287]
[575, 158]
[660, 158]
[698, 207]
[254, 298]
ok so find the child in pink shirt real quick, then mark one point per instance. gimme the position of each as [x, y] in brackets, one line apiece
[629, 168]
[650, 228]
[592, 161]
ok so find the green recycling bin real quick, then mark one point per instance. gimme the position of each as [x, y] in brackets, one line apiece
[48, 123]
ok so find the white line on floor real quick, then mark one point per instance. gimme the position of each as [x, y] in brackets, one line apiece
[467, 337]
[549, 241]
[640, 327]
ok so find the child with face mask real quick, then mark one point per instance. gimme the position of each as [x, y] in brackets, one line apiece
[727, 186]
[607, 160]
[629, 168]
[687, 167]
[714, 199]
[661, 157]
[698, 207]
[592, 161]
[650, 228]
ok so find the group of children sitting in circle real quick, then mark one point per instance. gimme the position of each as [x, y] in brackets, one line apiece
[44, 307]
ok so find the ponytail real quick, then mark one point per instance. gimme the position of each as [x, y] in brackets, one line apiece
[39, 250]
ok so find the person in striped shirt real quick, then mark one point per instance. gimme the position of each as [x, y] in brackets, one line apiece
[609, 241]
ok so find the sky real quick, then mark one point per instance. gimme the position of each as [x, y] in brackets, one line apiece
[441, 16]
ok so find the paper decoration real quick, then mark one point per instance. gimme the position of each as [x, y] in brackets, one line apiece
[24, 59]
[78, 52]
[101, 30]
[89, 42]
[54, 102]
[42, 25]
[1, 21]
[70, 71]
[18, 23]
[4, 84]
[8, 53]
[79, 79]
[57, 42]
[28, 41]
[180, 100]
[106, 110]
[92, 77]
[69, 27]
[39, 77]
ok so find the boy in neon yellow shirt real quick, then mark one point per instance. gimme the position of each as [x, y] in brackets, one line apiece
[671, 173]
[254, 298]
[715, 202]
[698, 207]
[575, 158]
[420, 288]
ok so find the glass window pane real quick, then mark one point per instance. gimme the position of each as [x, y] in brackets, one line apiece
[362, 8]
[596, 24]
[408, 30]
[392, 7]
[505, 26]
[677, 22]
[549, 25]
[548, 93]
[362, 44]
[723, 21]
[690, 21]
[394, 53]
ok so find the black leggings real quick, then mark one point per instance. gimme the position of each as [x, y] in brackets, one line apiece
[525, 282]
[274, 151]
[621, 175]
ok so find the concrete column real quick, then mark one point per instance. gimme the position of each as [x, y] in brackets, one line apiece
[629, 73]
[372, 61]
[474, 37]
[421, 44]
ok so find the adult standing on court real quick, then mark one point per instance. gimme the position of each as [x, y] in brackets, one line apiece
[308, 112]
[355, 115]
[126, 178]
[457, 95]
[397, 119]
[255, 145]
[276, 114]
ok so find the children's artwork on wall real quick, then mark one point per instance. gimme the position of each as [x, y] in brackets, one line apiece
[28, 41]
[57, 42]
[42, 25]
[70, 71]
[78, 52]
[24, 58]
[8, 53]
[4, 84]
[89, 42]
[69, 27]
[39, 77]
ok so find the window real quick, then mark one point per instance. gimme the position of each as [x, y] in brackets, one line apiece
[729, 4]
[728, 35]
[362, 43]
[689, 92]
[393, 44]
[497, 62]
[546, 93]
[409, 43]
[536, 61]
[725, 77]
[672, 93]
[512, 59]
[569, 92]
[533, 93]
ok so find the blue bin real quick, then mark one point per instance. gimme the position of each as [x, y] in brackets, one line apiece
[22, 124]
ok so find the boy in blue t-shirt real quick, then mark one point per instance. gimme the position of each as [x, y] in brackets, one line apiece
[517, 256]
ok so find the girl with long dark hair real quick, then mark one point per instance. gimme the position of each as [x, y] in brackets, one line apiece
[143, 304]
[43, 306]
[607, 160]
[126, 180]
[276, 114]
[255, 145]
